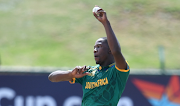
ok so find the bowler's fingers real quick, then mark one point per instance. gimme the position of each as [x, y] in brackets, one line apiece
[102, 13]
[85, 69]
[81, 75]
[95, 14]
[82, 70]
[79, 71]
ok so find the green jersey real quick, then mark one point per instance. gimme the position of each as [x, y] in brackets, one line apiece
[103, 86]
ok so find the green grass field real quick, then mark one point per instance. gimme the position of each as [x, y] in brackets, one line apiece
[62, 33]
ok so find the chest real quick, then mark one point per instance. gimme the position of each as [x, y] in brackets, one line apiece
[96, 74]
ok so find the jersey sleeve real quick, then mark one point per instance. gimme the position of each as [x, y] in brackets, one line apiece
[123, 74]
[76, 80]
[124, 70]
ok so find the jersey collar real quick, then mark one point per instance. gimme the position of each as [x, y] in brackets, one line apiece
[105, 67]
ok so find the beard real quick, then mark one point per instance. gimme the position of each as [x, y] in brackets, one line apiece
[97, 59]
[97, 62]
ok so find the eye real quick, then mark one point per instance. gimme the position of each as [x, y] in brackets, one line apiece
[97, 46]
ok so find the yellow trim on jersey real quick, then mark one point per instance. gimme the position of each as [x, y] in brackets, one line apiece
[123, 70]
[111, 64]
[73, 81]
[100, 68]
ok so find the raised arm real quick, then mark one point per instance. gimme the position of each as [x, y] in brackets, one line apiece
[58, 76]
[112, 40]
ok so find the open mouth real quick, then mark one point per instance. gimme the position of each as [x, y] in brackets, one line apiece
[95, 56]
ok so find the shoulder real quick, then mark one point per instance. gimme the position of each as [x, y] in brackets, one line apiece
[120, 70]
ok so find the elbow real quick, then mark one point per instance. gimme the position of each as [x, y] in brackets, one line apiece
[50, 77]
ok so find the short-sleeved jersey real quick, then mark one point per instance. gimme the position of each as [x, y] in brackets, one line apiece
[103, 86]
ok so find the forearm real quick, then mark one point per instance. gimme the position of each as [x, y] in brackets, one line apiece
[58, 76]
[112, 40]
[114, 46]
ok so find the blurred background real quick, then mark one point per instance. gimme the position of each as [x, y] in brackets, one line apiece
[62, 33]
[40, 36]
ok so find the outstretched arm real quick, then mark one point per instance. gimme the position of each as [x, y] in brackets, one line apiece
[112, 40]
[58, 76]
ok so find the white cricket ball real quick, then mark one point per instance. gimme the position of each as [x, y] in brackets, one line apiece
[97, 10]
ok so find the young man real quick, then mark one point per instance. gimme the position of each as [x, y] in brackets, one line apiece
[102, 84]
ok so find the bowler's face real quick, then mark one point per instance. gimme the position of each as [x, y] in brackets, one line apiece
[100, 51]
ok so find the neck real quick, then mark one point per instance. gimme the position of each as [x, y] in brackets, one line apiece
[106, 63]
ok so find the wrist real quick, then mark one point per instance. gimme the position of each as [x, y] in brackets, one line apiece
[106, 23]
[70, 75]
